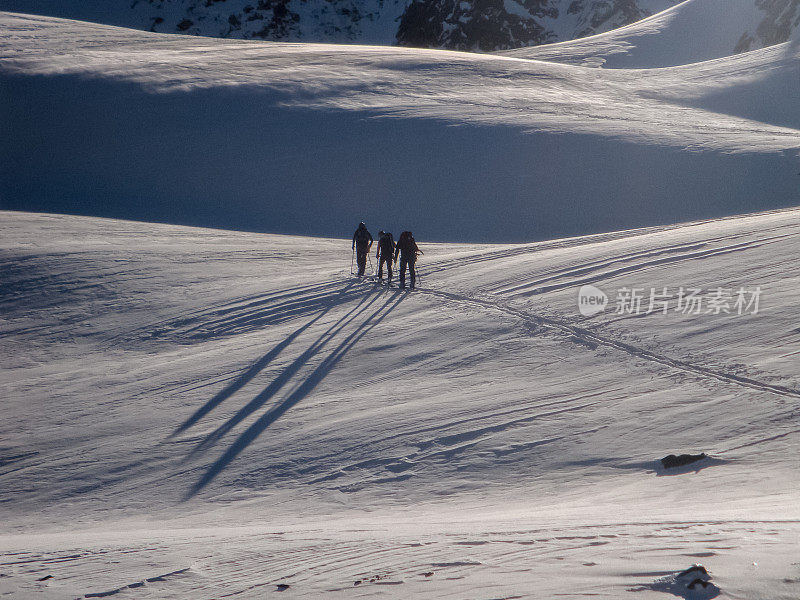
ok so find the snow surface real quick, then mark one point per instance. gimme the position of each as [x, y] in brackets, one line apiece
[305, 138]
[197, 413]
[692, 31]
[201, 413]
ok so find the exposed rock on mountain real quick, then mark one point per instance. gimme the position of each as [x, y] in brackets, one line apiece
[782, 17]
[595, 16]
[484, 25]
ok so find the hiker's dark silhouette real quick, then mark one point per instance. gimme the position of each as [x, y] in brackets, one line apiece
[362, 242]
[384, 254]
[408, 250]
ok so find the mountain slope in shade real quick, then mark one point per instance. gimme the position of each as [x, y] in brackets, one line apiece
[694, 31]
[305, 138]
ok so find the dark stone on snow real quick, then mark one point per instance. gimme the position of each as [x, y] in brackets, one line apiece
[672, 461]
[695, 570]
[282, 587]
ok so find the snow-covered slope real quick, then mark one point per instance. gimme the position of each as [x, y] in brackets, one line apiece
[693, 31]
[306, 138]
[193, 413]
[459, 25]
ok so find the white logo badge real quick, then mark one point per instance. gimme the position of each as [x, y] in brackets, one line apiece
[591, 300]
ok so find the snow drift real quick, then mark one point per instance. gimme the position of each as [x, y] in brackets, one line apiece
[312, 138]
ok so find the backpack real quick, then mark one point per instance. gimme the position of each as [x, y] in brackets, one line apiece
[407, 244]
[386, 244]
[362, 236]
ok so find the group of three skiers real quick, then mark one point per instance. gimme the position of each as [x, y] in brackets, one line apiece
[387, 253]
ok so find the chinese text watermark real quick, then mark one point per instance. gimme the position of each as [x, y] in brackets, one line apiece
[664, 300]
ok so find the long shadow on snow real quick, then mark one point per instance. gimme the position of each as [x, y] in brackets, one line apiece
[285, 376]
[258, 366]
[301, 391]
[264, 312]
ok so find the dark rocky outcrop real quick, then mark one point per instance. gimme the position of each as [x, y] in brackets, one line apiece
[483, 25]
[602, 15]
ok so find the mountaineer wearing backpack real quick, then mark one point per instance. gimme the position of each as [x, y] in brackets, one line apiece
[384, 254]
[362, 242]
[408, 250]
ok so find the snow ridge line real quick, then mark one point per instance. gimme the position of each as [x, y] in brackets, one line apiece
[586, 337]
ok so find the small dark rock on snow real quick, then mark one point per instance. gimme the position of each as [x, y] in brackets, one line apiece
[672, 461]
[694, 570]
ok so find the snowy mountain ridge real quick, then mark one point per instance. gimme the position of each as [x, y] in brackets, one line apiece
[452, 24]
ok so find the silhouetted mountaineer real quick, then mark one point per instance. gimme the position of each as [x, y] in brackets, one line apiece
[384, 254]
[362, 242]
[408, 250]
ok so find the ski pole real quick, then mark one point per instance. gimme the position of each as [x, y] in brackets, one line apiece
[352, 258]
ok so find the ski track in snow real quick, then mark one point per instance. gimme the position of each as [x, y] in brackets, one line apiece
[586, 337]
[592, 339]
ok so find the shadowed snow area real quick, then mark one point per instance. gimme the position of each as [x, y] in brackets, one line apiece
[305, 138]
[197, 413]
